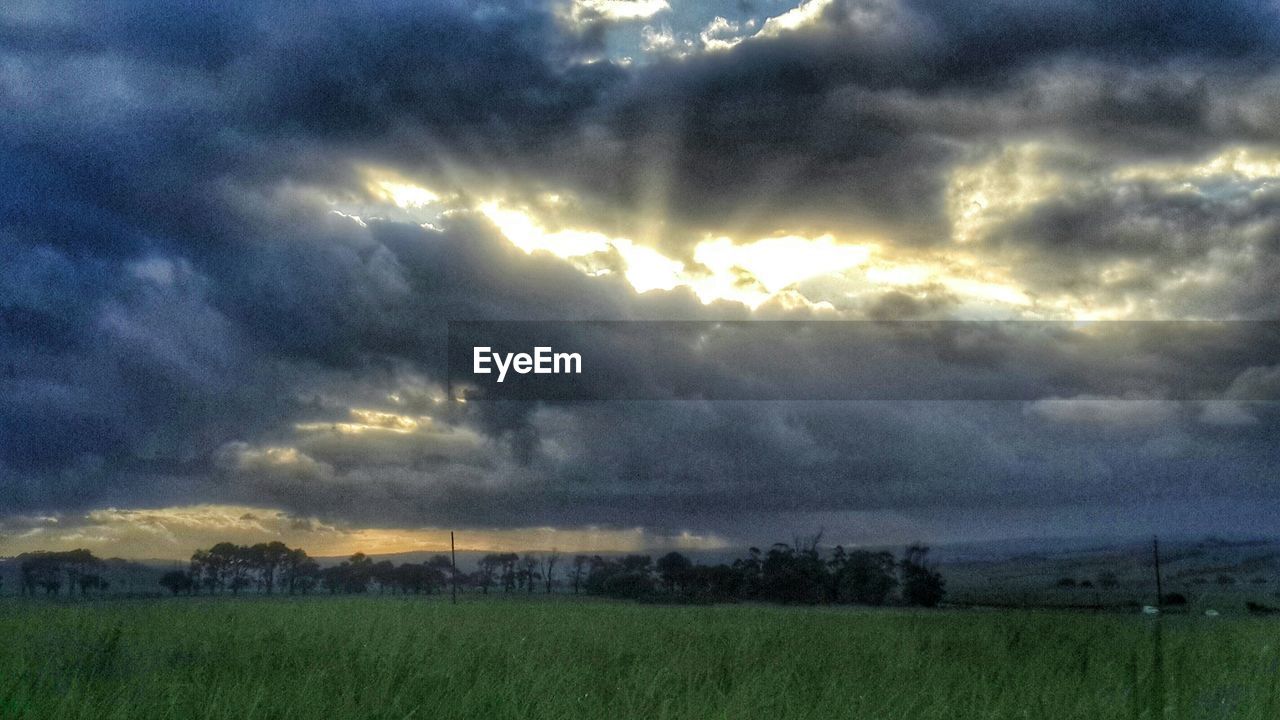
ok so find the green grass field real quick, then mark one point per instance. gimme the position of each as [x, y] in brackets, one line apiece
[332, 659]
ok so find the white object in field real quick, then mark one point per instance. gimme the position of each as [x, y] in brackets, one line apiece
[1211, 613]
[1150, 610]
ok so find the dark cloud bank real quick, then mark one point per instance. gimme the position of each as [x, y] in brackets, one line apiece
[175, 296]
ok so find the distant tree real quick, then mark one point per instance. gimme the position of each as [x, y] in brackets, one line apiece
[1225, 579]
[921, 584]
[1175, 599]
[384, 574]
[751, 571]
[1066, 582]
[414, 578]
[233, 564]
[177, 581]
[529, 572]
[304, 577]
[508, 571]
[267, 559]
[334, 579]
[627, 577]
[489, 567]
[298, 572]
[441, 572]
[207, 570]
[673, 570]
[865, 578]
[794, 575]
[350, 576]
[1108, 579]
[359, 572]
[580, 564]
[47, 571]
[549, 562]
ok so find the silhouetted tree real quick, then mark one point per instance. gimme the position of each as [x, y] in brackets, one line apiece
[489, 567]
[549, 562]
[580, 563]
[47, 570]
[865, 578]
[673, 569]
[177, 581]
[441, 571]
[267, 559]
[384, 574]
[528, 572]
[509, 561]
[628, 577]
[921, 584]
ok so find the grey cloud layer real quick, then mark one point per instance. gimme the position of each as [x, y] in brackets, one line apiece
[175, 299]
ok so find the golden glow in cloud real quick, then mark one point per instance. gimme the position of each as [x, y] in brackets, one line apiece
[175, 532]
[981, 195]
[1237, 162]
[750, 273]
[371, 421]
[985, 194]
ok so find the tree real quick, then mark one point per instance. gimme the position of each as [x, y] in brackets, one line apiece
[177, 581]
[921, 584]
[529, 572]
[489, 566]
[509, 561]
[628, 577]
[383, 573]
[267, 559]
[47, 570]
[865, 578]
[673, 569]
[233, 565]
[548, 568]
[580, 563]
[789, 575]
[298, 572]
[442, 571]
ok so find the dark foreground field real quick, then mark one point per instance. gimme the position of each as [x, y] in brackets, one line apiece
[332, 659]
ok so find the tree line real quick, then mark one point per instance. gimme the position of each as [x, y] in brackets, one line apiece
[49, 571]
[800, 573]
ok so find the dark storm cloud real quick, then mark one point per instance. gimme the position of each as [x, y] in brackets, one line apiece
[174, 297]
[841, 125]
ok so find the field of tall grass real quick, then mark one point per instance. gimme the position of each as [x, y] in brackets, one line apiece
[333, 659]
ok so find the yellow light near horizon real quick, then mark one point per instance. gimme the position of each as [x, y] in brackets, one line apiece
[176, 532]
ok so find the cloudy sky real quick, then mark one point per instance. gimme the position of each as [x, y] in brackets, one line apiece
[231, 236]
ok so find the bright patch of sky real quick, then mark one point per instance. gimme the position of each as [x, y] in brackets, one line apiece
[690, 27]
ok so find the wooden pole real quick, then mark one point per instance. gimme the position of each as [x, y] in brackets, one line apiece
[453, 562]
[1155, 552]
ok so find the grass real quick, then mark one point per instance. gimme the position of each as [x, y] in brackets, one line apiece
[332, 659]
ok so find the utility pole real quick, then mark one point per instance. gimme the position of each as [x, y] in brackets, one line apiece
[1155, 552]
[453, 563]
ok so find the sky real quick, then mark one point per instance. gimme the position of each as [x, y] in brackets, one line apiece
[232, 234]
